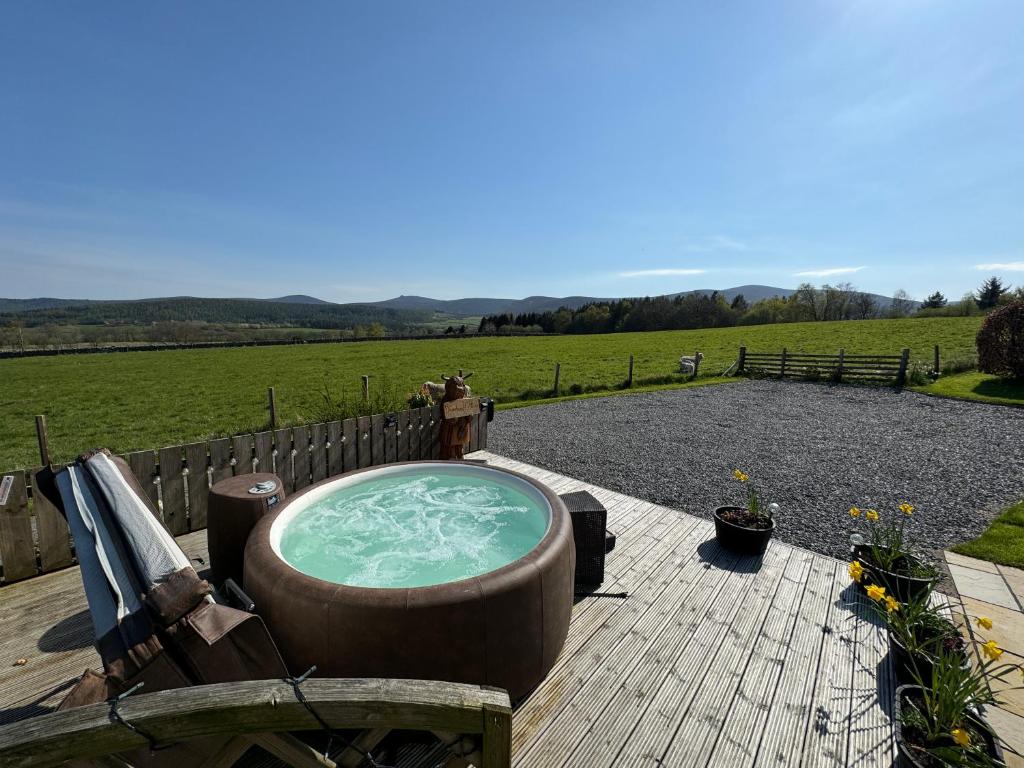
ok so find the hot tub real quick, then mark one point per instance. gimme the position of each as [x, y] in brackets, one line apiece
[430, 570]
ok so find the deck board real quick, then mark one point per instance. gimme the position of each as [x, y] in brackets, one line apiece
[713, 659]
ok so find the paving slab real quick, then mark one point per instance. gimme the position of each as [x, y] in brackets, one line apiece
[1015, 578]
[1010, 728]
[970, 562]
[1007, 624]
[982, 585]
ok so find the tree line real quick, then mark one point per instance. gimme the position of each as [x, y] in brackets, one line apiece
[712, 310]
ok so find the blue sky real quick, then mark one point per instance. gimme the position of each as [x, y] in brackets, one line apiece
[356, 151]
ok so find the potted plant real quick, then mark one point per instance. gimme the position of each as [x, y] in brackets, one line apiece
[938, 721]
[746, 529]
[886, 558]
[918, 634]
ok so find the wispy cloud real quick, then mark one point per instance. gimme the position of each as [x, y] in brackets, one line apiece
[662, 272]
[1006, 266]
[828, 272]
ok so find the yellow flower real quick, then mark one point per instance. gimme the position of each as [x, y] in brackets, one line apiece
[741, 476]
[876, 592]
[871, 515]
[856, 570]
[984, 622]
[961, 737]
[907, 509]
[854, 512]
[991, 650]
[891, 604]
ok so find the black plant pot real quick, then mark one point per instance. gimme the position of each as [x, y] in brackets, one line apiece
[904, 588]
[746, 541]
[908, 756]
[905, 663]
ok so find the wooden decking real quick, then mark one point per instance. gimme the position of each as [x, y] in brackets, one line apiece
[711, 660]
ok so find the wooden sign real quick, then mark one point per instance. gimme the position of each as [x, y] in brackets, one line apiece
[466, 406]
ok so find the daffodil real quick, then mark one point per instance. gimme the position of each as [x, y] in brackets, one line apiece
[891, 604]
[876, 592]
[740, 475]
[907, 509]
[856, 570]
[871, 515]
[991, 650]
[961, 737]
[854, 512]
[984, 622]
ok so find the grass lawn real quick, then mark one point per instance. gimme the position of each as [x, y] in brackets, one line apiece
[978, 386]
[130, 401]
[1003, 542]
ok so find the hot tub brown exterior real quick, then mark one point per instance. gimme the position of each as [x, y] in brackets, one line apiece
[504, 628]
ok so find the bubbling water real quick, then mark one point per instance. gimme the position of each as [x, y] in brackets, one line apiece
[414, 530]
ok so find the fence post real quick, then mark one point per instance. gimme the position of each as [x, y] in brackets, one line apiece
[558, 372]
[742, 361]
[44, 440]
[629, 379]
[272, 404]
[839, 370]
[696, 364]
[782, 365]
[936, 368]
[901, 377]
[366, 389]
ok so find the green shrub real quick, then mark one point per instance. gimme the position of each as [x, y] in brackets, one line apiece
[1001, 342]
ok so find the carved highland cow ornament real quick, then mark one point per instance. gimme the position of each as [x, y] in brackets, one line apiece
[454, 432]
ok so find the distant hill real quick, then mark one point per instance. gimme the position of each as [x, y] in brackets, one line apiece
[752, 293]
[297, 298]
[482, 306]
[308, 311]
[26, 305]
[260, 312]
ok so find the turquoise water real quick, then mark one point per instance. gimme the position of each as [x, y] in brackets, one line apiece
[414, 530]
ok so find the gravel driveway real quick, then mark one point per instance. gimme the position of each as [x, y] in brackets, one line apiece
[815, 449]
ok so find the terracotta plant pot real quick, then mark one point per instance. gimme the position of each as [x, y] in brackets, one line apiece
[738, 538]
[901, 586]
[909, 757]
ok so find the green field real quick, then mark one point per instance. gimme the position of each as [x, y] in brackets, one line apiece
[129, 401]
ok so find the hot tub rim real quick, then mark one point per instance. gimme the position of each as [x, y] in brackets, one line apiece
[259, 546]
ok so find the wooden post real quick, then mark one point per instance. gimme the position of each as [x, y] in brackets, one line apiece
[629, 379]
[696, 363]
[936, 368]
[742, 363]
[558, 373]
[366, 389]
[839, 370]
[272, 402]
[44, 440]
[901, 377]
[782, 365]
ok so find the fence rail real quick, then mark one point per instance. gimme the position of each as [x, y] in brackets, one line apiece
[34, 539]
[838, 367]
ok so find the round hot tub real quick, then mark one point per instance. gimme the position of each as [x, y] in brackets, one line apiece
[430, 570]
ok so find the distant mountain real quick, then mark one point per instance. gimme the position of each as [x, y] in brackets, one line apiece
[486, 306]
[752, 293]
[302, 309]
[27, 305]
[298, 298]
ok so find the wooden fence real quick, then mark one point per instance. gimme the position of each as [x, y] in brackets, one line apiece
[34, 539]
[875, 369]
